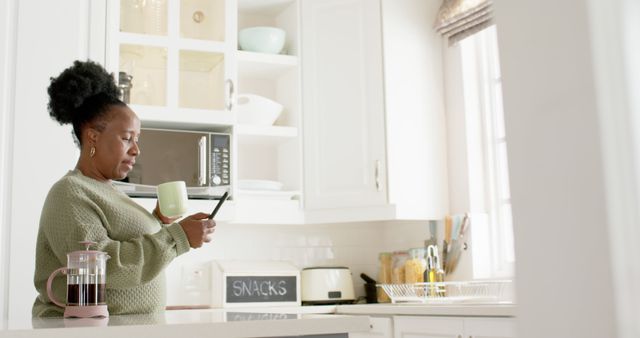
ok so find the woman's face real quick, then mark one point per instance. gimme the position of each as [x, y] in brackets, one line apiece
[117, 144]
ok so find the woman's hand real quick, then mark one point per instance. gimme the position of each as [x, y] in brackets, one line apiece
[198, 229]
[164, 219]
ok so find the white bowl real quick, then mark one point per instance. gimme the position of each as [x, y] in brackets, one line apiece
[262, 39]
[255, 109]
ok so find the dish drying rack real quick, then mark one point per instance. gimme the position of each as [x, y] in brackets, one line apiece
[490, 292]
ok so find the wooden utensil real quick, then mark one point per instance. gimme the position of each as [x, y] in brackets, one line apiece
[456, 247]
[447, 229]
[446, 240]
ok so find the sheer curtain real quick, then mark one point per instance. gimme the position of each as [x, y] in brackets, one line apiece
[458, 19]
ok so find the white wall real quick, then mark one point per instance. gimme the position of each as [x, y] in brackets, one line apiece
[616, 53]
[561, 240]
[7, 58]
[355, 245]
[51, 34]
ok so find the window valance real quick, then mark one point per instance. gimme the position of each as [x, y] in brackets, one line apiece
[458, 19]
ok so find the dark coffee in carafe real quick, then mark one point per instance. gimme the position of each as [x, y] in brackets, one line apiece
[86, 294]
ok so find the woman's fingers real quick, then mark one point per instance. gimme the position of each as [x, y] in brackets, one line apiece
[198, 228]
[200, 215]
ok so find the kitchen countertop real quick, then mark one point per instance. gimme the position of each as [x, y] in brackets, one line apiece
[244, 322]
[191, 323]
[450, 309]
[465, 310]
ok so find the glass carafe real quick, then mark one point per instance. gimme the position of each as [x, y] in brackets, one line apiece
[86, 272]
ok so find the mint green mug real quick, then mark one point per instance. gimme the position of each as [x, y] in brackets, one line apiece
[172, 198]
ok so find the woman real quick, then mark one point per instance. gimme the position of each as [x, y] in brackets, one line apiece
[84, 206]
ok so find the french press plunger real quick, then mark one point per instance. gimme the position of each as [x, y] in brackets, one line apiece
[86, 272]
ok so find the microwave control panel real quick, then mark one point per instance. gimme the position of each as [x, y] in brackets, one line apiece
[220, 173]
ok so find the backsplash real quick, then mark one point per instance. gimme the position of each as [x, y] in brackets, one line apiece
[355, 245]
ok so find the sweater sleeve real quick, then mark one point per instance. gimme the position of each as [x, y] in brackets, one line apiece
[132, 262]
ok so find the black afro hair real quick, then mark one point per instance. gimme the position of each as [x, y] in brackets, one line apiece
[82, 93]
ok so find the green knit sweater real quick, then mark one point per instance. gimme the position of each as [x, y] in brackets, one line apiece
[79, 208]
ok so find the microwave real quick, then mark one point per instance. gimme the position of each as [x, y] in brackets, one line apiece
[201, 159]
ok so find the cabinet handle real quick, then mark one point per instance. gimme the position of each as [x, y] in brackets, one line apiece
[377, 169]
[231, 90]
[202, 161]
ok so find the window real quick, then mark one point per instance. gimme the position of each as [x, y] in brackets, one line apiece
[487, 155]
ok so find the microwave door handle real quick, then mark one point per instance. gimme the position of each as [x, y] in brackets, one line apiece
[202, 161]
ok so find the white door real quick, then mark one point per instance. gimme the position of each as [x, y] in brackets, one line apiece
[427, 327]
[343, 104]
[490, 327]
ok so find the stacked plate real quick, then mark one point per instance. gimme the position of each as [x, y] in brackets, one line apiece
[265, 189]
[259, 185]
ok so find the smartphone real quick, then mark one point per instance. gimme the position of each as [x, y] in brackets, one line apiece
[215, 210]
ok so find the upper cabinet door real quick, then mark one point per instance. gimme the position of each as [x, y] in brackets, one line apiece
[343, 100]
[415, 110]
[177, 57]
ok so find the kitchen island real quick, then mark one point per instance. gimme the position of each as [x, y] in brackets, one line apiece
[192, 323]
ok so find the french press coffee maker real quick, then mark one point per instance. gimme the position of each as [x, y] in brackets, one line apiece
[86, 272]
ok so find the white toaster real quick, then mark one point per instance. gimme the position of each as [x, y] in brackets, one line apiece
[326, 285]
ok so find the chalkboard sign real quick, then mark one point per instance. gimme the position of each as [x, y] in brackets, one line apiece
[258, 289]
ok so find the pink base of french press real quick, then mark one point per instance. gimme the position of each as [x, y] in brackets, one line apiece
[86, 311]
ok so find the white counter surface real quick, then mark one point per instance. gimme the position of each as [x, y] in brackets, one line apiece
[464, 310]
[243, 322]
[191, 323]
[451, 309]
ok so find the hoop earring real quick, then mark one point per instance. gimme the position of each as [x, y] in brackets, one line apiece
[92, 152]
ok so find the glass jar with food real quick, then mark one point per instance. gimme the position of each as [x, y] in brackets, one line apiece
[415, 266]
[397, 264]
[384, 275]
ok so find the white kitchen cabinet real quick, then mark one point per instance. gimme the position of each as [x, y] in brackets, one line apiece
[181, 57]
[374, 126]
[381, 327]
[357, 163]
[427, 327]
[271, 153]
[490, 327]
[415, 114]
[453, 327]
[188, 73]
[343, 100]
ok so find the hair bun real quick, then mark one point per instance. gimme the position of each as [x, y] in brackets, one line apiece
[71, 89]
